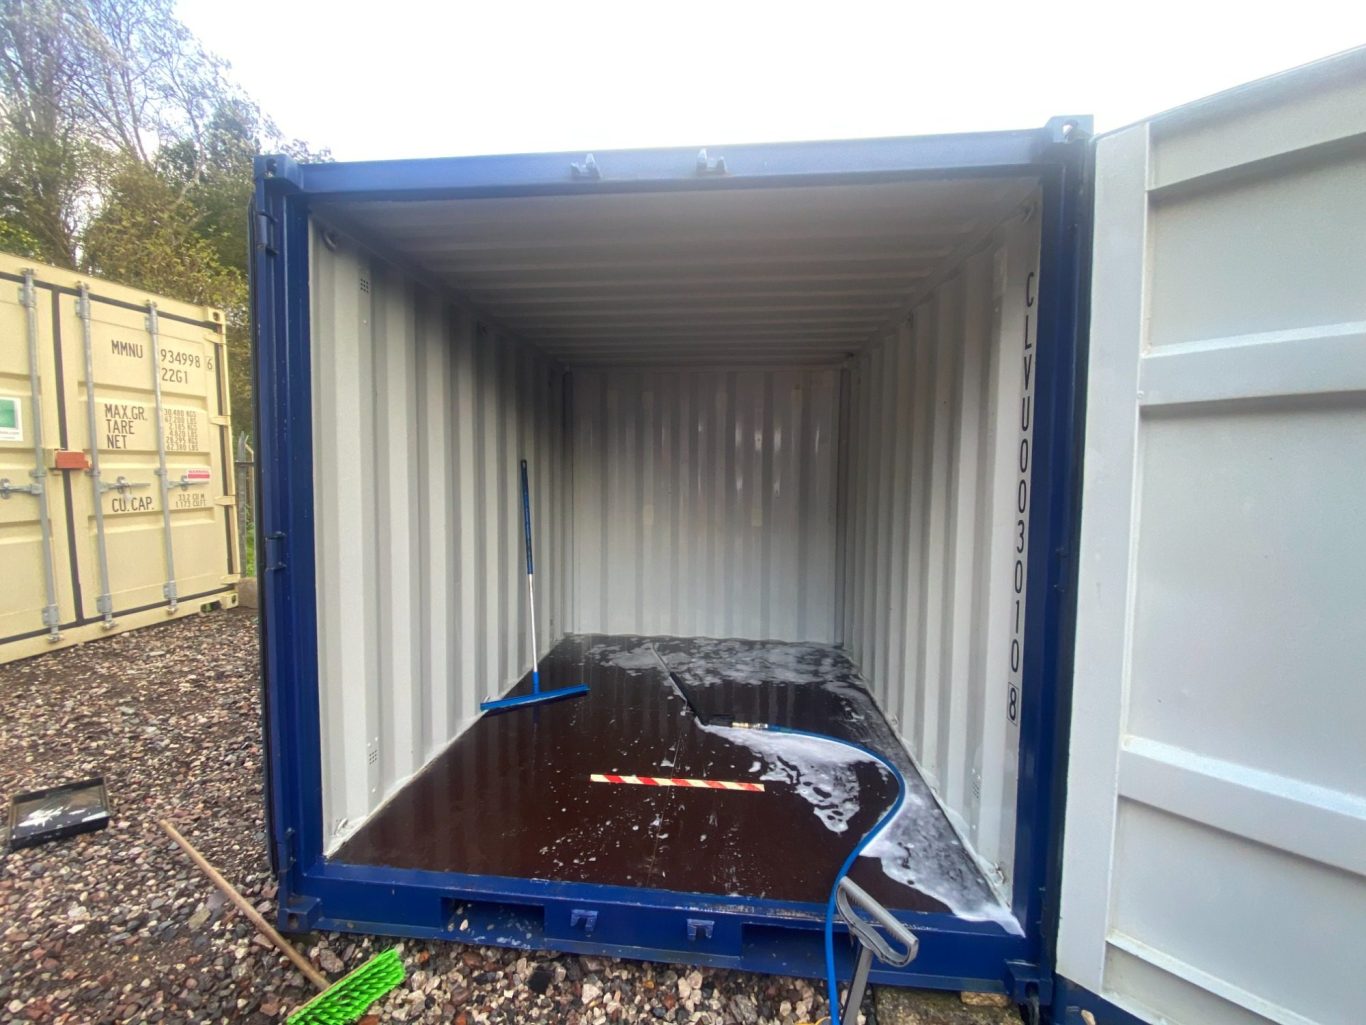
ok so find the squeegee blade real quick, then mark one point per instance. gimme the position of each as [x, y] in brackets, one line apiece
[533, 699]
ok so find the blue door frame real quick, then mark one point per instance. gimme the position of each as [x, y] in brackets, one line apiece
[1073, 1005]
[760, 935]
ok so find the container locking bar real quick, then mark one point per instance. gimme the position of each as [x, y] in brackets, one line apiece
[871, 942]
[29, 298]
[105, 602]
[154, 332]
[7, 488]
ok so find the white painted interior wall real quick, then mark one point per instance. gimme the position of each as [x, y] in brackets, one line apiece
[938, 436]
[704, 502]
[421, 415]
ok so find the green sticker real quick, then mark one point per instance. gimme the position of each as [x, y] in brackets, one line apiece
[10, 427]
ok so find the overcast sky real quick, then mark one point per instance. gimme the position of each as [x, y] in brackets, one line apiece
[405, 79]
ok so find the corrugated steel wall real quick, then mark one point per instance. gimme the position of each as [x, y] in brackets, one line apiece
[938, 422]
[705, 502]
[420, 417]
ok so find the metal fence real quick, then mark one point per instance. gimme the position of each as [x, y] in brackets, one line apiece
[244, 466]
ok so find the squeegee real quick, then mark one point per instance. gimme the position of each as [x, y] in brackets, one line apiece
[537, 695]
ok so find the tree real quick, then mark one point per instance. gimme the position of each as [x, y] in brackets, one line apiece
[47, 172]
[147, 236]
[183, 233]
[126, 151]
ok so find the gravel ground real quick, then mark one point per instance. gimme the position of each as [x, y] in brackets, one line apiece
[118, 926]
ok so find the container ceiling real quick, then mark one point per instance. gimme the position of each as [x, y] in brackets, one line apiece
[736, 276]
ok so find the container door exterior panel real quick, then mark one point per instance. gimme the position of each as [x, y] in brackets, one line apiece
[26, 554]
[187, 363]
[1215, 848]
[100, 466]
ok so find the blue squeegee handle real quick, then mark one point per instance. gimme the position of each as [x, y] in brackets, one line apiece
[526, 517]
[537, 695]
[530, 587]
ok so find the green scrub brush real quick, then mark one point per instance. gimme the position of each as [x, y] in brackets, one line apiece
[347, 998]
[337, 1003]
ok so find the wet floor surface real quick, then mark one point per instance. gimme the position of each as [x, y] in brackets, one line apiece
[513, 795]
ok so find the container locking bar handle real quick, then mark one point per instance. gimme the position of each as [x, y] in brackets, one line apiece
[871, 941]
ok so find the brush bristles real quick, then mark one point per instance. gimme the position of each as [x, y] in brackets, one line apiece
[349, 997]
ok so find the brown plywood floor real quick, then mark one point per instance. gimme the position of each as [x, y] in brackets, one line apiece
[512, 796]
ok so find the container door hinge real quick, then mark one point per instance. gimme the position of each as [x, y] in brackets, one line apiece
[1027, 985]
[284, 853]
[1063, 130]
[710, 167]
[265, 233]
[1064, 578]
[274, 537]
[586, 171]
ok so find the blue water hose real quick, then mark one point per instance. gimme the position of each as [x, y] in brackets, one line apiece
[831, 908]
[831, 978]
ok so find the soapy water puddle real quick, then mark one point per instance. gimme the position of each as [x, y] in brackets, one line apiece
[919, 849]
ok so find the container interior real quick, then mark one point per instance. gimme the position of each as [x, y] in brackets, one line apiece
[796, 414]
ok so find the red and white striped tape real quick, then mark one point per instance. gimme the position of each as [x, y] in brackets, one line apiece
[669, 781]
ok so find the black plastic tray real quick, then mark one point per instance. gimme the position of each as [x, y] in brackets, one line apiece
[58, 812]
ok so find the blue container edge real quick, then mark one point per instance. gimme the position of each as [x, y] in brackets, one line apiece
[328, 895]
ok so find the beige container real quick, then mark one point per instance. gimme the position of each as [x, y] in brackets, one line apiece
[116, 504]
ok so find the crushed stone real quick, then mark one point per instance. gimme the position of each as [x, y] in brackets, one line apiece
[118, 926]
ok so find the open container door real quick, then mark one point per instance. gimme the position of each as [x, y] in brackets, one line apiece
[1216, 815]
